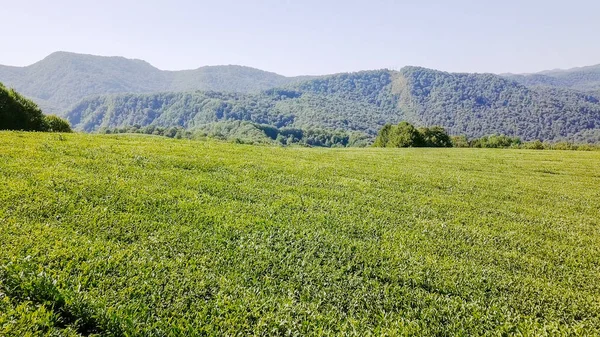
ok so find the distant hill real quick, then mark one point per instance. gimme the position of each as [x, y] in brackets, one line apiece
[95, 92]
[583, 78]
[469, 104]
[62, 79]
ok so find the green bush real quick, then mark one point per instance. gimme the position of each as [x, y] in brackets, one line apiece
[406, 135]
[496, 142]
[56, 124]
[435, 136]
[18, 112]
[563, 146]
[535, 145]
[586, 147]
[459, 141]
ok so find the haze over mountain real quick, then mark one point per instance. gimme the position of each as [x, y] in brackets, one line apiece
[582, 78]
[63, 78]
[110, 92]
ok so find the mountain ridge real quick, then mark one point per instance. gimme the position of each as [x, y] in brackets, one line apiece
[586, 78]
[62, 78]
[466, 104]
[105, 92]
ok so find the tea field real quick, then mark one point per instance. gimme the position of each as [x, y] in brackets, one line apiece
[124, 235]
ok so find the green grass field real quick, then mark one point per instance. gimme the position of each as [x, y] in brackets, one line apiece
[148, 236]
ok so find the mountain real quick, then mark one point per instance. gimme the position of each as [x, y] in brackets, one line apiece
[583, 78]
[62, 79]
[360, 101]
[469, 104]
[96, 92]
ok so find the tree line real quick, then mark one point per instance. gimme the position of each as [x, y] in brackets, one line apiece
[405, 134]
[246, 132]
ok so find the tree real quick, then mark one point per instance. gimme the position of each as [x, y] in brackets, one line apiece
[18, 112]
[405, 135]
[383, 136]
[435, 136]
[56, 124]
[460, 141]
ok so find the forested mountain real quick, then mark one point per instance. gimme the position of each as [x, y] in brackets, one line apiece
[62, 79]
[315, 104]
[480, 104]
[584, 78]
[96, 92]
[469, 104]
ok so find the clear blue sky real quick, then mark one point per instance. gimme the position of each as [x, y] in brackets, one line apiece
[310, 36]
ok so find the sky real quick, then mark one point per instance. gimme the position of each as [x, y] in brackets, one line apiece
[310, 37]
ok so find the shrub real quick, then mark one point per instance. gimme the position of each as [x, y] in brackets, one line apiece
[435, 136]
[535, 145]
[460, 141]
[56, 124]
[405, 135]
[18, 112]
[585, 147]
[563, 146]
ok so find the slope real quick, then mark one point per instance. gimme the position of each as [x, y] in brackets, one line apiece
[583, 78]
[359, 101]
[469, 104]
[62, 79]
[480, 104]
[147, 236]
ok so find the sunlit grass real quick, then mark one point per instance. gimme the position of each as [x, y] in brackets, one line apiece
[133, 235]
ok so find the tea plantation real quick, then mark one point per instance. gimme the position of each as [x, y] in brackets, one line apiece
[122, 235]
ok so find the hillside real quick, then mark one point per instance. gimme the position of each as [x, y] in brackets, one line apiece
[96, 92]
[146, 236]
[583, 78]
[359, 101]
[465, 104]
[62, 79]
[479, 104]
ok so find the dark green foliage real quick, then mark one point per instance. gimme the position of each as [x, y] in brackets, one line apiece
[460, 141]
[406, 135]
[435, 137]
[244, 132]
[505, 142]
[172, 132]
[496, 141]
[62, 312]
[383, 136]
[252, 133]
[18, 112]
[56, 124]
[239, 132]
[535, 145]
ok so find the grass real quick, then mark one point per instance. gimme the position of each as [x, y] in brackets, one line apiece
[127, 236]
